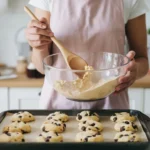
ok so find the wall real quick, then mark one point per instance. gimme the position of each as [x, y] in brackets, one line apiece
[13, 19]
[148, 20]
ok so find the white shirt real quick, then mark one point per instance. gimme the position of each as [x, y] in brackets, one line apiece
[132, 8]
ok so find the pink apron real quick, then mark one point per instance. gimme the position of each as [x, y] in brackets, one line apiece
[87, 25]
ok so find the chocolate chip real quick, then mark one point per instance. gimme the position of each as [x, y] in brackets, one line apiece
[49, 137]
[116, 140]
[8, 134]
[126, 135]
[90, 113]
[93, 124]
[23, 140]
[97, 128]
[134, 126]
[98, 133]
[122, 129]
[19, 121]
[79, 117]
[46, 140]
[23, 131]
[86, 139]
[94, 114]
[43, 129]
[115, 119]
[49, 118]
[64, 125]
[127, 122]
[86, 114]
[83, 128]
[121, 136]
[56, 133]
[20, 116]
[59, 119]
[29, 116]
[40, 134]
[84, 122]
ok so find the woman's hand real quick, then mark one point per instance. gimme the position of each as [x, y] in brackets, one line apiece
[38, 34]
[127, 80]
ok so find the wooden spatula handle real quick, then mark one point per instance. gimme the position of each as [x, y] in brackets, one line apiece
[30, 13]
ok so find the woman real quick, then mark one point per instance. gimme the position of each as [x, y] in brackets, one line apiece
[90, 25]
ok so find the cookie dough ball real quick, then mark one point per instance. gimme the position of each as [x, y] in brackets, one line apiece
[117, 117]
[12, 137]
[58, 116]
[23, 116]
[89, 136]
[126, 136]
[52, 125]
[126, 125]
[90, 125]
[17, 126]
[87, 115]
[50, 137]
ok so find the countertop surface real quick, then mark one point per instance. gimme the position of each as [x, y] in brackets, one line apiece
[24, 81]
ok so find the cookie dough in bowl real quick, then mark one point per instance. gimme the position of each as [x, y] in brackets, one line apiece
[99, 80]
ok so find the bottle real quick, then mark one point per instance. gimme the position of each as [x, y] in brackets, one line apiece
[21, 65]
[32, 72]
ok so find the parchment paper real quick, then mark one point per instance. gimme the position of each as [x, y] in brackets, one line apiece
[72, 129]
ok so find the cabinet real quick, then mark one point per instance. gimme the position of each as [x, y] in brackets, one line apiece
[4, 99]
[24, 98]
[136, 97]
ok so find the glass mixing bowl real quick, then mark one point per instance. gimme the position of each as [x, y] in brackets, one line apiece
[99, 81]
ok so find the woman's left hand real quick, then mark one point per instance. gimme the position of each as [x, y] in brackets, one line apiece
[131, 74]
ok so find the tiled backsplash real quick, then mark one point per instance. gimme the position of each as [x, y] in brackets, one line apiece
[10, 22]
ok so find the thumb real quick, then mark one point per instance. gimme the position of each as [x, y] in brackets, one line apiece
[45, 21]
[131, 55]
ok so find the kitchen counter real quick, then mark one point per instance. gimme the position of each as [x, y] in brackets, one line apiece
[24, 81]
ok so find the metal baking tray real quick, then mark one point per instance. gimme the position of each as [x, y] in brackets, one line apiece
[144, 120]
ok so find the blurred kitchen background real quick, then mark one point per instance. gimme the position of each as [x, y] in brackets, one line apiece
[22, 90]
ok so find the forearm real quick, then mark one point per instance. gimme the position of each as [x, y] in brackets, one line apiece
[38, 57]
[142, 66]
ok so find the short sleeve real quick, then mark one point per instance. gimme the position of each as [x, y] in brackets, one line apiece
[42, 4]
[138, 7]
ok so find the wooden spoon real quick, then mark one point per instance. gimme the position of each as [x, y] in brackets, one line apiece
[74, 61]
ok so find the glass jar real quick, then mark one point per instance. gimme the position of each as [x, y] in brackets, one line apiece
[21, 65]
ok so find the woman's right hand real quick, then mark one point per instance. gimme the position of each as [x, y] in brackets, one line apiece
[38, 34]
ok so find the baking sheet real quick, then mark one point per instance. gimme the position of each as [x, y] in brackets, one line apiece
[72, 129]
